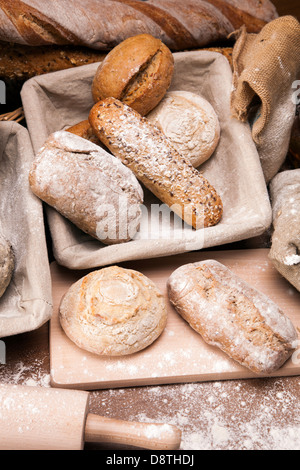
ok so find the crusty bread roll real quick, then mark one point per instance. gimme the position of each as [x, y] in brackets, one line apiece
[190, 123]
[138, 72]
[7, 264]
[88, 186]
[150, 155]
[233, 316]
[84, 130]
[113, 312]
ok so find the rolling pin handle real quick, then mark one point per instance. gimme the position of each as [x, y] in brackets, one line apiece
[143, 435]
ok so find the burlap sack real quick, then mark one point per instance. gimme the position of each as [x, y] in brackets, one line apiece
[52, 102]
[265, 67]
[285, 250]
[27, 302]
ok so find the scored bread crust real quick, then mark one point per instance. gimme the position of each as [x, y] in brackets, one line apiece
[152, 158]
[113, 312]
[228, 313]
[190, 123]
[88, 186]
[138, 72]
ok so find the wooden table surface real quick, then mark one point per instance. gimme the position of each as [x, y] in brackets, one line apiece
[252, 414]
[241, 414]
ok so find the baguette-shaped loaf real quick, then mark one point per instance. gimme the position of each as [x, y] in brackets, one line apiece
[88, 186]
[144, 149]
[104, 24]
[230, 314]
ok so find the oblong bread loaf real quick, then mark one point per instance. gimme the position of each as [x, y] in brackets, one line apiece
[228, 313]
[88, 186]
[144, 149]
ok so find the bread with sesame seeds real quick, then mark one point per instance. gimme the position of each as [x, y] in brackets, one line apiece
[144, 149]
[230, 314]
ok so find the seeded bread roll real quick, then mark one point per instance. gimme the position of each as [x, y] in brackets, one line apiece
[144, 149]
[6, 265]
[190, 123]
[138, 72]
[88, 186]
[233, 316]
[113, 312]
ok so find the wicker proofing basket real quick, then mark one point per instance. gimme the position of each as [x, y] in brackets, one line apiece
[17, 115]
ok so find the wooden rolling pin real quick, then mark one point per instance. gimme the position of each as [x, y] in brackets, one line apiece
[37, 418]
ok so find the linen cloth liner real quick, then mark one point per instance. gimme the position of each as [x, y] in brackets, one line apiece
[55, 101]
[27, 302]
[265, 67]
[285, 249]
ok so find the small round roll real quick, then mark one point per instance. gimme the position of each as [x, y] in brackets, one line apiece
[137, 72]
[113, 312]
[190, 123]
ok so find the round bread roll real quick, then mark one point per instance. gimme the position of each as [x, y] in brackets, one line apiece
[190, 123]
[138, 72]
[113, 312]
[6, 265]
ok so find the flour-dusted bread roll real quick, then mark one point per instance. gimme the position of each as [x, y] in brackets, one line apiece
[233, 316]
[113, 312]
[156, 163]
[190, 123]
[138, 72]
[7, 264]
[83, 129]
[88, 186]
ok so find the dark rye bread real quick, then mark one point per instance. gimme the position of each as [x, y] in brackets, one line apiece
[103, 25]
[144, 149]
[229, 314]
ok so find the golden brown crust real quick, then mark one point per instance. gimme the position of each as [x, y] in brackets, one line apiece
[149, 154]
[138, 72]
[113, 312]
[181, 25]
[84, 130]
[20, 63]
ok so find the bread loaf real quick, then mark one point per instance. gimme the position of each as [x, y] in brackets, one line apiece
[180, 25]
[229, 314]
[138, 72]
[6, 265]
[88, 186]
[113, 312]
[84, 130]
[144, 149]
[190, 123]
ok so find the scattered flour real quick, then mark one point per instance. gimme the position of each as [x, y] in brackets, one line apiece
[227, 415]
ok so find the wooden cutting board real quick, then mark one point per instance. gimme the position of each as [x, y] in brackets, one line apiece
[179, 355]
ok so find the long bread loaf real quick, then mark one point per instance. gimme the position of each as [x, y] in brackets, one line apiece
[149, 154]
[104, 24]
[230, 314]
